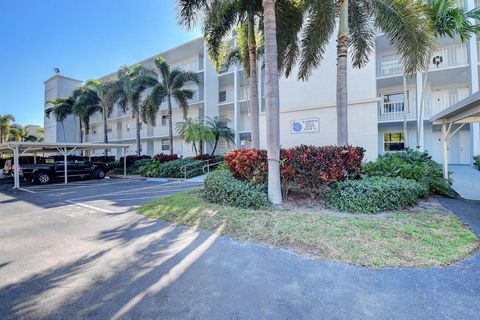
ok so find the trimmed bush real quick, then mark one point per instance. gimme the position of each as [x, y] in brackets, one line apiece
[413, 165]
[132, 158]
[115, 164]
[137, 164]
[476, 161]
[309, 168]
[172, 169]
[162, 157]
[374, 194]
[222, 188]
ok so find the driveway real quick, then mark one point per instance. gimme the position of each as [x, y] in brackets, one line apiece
[466, 181]
[83, 253]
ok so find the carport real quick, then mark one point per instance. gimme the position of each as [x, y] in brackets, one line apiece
[33, 148]
[463, 112]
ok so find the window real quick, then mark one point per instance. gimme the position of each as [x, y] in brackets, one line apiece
[165, 145]
[222, 96]
[394, 141]
[164, 120]
[393, 103]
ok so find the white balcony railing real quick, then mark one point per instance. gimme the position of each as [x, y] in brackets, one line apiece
[192, 66]
[397, 111]
[452, 56]
[392, 111]
[197, 96]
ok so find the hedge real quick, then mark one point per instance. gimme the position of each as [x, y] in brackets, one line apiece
[132, 158]
[414, 165]
[162, 157]
[476, 161]
[222, 188]
[374, 194]
[309, 168]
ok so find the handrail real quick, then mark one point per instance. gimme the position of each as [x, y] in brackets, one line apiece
[208, 165]
[184, 171]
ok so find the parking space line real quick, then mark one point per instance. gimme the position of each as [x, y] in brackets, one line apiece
[75, 186]
[26, 190]
[88, 206]
[122, 191]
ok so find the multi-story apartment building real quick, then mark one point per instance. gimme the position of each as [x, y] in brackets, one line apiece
[378, 103]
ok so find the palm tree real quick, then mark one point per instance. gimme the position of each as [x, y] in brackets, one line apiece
[6, 122]
[61, 108]
[221, 17]
[272, 102]
[170, 86]
[40, 133]
[446, 19]
[18, 133]
[132, 82]
[193, 131]
[403, 22]
[86, 104]
[107, 92]
[220, 130]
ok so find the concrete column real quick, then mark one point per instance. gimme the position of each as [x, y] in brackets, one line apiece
[16, 167]
[419, 91]
[473, 82]
[236, 105]
[445, 151]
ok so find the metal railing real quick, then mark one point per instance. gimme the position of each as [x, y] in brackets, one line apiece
[185, 171]
[206, 168]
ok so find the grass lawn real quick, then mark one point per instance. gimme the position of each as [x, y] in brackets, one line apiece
[421, 239]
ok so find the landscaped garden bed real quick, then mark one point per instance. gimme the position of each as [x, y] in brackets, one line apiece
[427, 237]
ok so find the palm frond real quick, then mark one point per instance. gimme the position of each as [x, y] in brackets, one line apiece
[361, 37]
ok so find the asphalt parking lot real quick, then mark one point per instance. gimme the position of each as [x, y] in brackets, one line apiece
[80, 251]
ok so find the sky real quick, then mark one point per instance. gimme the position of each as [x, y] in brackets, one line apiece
[86, 39]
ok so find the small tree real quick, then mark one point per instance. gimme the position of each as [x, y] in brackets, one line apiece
[219, 128]
[61, 108]
[6, 122]
[194, 131]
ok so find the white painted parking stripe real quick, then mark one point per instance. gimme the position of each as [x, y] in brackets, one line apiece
[89, 206]
[26, 190]
[75, 186]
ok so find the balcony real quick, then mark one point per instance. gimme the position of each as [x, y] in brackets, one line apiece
[452, 56]
[192, 66]
[397, 111]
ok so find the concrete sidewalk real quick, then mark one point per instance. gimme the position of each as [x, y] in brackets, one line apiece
[466, 181]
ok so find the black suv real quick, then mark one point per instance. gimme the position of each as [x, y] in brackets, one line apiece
[53, 168]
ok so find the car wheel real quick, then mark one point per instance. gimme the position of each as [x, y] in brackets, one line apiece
[43, 178]
[99, 174]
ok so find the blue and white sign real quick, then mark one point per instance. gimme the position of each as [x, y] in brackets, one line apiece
[304, 126]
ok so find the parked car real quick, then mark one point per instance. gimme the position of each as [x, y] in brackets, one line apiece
[53, 168]
[8, 166]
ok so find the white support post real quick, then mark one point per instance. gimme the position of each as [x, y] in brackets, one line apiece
[35, 158]
[445, 149]
[65, 170]
[419, 90]
[16, 167]
[236, 105]
[124, 161]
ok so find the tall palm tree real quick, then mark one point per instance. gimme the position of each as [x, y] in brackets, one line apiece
[86, 104]
[132, 82]
[61, 108]
[446, 19]
[169, 86]
[19, 133]
[272, 102]
[220, 130]
[402, 21]
[6, 122]
[107, 92]
[221, 17]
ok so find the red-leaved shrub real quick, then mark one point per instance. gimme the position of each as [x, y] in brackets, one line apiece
[162, 157]
[309, 168]
[203, 157]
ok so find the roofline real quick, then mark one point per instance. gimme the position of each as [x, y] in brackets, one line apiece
[156, 55]
[457, 107]
[60, 76]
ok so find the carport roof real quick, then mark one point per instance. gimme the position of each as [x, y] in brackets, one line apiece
[44, 146]
[464, 111]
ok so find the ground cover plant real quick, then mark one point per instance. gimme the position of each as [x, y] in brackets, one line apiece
[374, 194]
[426, 238]
[413, 165]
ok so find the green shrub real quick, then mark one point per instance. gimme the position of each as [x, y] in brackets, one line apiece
[222, 188]
[150, 169]
[138, 163]
[130, 170]
[374, 194]
[476, 161]
[172, 169]
[413, 165]
[115, 164]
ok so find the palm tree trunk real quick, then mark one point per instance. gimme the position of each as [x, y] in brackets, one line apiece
[81, 130]
[105, 133]
[63, 128]
[137, 120]
[272, 102]
[421, 112]
[405, 110]
[254, 110]
[170, 124]
[342, 92]
[1, 135]
[195, 148]
[214, 146]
